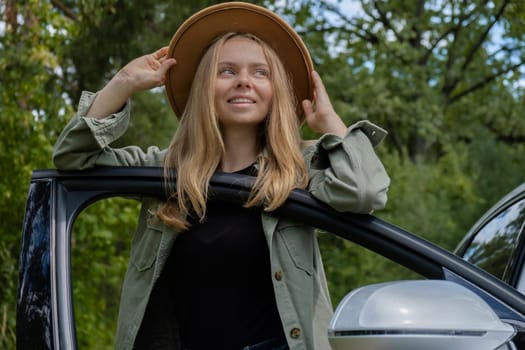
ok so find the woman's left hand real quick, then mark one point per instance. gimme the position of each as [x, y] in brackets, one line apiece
[320, 114]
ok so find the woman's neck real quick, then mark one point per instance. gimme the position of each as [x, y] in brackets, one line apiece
[240, 150]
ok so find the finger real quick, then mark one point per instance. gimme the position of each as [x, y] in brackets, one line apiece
[309, 114]
[307, 108]
[163, 69]
[320, 90]
[163, 59]
[163, 51]
[166, 65]
[323, 105]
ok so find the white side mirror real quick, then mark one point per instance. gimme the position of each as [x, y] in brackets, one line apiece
[416, 315]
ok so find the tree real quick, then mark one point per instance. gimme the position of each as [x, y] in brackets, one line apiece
[32, 109]
[413, 65]
[445, 78]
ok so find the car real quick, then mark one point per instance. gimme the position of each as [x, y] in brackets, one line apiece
[400, 314]
[496, 242]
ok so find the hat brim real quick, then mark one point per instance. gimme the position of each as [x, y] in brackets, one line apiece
[193, 37]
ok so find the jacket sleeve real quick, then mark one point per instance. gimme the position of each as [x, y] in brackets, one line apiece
[85, 142]
[346, 173]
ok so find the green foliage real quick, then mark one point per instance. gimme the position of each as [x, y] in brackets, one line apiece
[32, 108]
[496, 167]
[409, 65]
[349, 266]
[8, 275]
[438, 200]
[100, 243]
[453, 110]
[162, 120]
[433, 200]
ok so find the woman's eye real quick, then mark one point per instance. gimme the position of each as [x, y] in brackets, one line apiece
[262, 72]
[226, 71]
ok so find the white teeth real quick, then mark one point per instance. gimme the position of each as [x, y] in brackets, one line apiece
[240, 100]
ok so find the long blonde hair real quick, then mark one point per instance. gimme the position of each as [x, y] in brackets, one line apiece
[197, 146]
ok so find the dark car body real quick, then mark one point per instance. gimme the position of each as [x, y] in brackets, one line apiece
[45, 315]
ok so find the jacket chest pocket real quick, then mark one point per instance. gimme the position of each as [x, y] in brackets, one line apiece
[146, 246]
[298, 241]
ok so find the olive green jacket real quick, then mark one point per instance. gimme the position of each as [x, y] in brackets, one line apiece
[344, 173]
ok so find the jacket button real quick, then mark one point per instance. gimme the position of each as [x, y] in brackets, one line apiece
[295, 333]
[278, 275]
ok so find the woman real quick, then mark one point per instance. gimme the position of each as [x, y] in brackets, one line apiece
[211, 274]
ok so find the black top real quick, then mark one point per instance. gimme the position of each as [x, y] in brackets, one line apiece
[218, 276]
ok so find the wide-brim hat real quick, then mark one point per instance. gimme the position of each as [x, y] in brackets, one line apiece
[194, 36]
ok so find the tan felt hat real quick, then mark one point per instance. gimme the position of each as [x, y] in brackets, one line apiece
[193, 37]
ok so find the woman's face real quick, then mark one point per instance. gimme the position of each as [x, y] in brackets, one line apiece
[243, 90]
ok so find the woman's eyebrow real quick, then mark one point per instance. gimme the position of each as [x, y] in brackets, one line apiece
[252, 64]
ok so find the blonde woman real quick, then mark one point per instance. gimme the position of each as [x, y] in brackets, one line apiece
[209, 274]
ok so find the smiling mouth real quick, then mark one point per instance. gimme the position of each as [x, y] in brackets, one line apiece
[240, 100]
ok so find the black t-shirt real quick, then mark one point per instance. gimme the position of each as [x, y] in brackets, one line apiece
[218, 277]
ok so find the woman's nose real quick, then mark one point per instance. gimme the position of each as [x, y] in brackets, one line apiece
[243, 80]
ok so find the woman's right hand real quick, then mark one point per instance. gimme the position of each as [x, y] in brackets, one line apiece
[145, 72]
[142, 73]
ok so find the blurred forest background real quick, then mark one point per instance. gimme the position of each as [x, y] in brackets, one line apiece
[446, 78]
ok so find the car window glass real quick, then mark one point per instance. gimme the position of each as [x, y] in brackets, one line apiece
[494, 244]
[100, 243]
